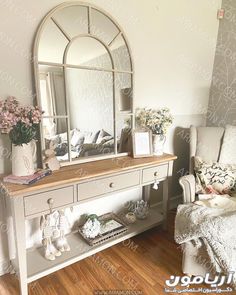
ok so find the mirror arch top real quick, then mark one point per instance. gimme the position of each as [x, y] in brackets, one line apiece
[54, 35]
[88, 51]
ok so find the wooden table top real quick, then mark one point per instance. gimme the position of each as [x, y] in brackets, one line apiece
[75, 173]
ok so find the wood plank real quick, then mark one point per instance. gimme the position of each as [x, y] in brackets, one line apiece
[80, 172]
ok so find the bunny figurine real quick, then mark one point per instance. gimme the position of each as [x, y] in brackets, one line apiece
[47, 226]
[62, 223]
[50, 158]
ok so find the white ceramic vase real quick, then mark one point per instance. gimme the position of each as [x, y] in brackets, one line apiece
[158, 142]
[23, 159]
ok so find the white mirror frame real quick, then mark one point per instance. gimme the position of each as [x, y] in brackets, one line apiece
[37, 63]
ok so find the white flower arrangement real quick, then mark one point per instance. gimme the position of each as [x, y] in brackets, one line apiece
[157, 120]
[92, 227]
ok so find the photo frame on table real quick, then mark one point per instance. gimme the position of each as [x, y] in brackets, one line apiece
[142, 143]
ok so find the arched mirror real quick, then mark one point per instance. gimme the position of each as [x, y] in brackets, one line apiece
[84, 81]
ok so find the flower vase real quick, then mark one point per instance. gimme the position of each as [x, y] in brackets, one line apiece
[23, 159]
[158, 141]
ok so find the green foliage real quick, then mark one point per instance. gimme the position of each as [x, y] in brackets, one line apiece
[22, 133]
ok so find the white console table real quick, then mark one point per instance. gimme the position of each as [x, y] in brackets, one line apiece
[70, 186]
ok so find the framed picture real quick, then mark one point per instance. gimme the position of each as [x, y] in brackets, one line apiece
[142, 143]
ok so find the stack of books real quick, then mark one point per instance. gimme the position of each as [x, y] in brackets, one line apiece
[28, 179]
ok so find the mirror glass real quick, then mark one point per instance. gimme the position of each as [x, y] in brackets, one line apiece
[73, 20]
[91, 111]
[52, 44]
[103, 27]
[124, 92]
[54, 133]
[120, 54]
[89, 52]
[124, 124]
[85, 84]
[52, 90]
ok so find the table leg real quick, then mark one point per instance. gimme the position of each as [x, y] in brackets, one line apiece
[19, 227]
[167, 184]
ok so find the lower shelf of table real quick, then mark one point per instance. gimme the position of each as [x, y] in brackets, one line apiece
[38, 266]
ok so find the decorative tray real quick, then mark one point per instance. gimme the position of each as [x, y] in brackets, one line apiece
[112, 226]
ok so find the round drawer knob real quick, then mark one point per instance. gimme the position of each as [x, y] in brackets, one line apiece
[112, 185]
[50, 201]
[156, 174]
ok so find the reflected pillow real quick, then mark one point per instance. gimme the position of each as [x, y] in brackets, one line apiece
[101, 136]
[105, 139]
[109, 143]
[90, 137]
[63, 136]
[77, 138]
[214, 178]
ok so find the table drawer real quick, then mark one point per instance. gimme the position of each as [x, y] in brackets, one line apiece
[157, 172]
[106, 185]
[40, 202]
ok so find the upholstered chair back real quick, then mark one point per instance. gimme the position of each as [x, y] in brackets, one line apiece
[205, 142]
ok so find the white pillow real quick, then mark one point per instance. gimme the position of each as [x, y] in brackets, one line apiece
[77, 138]
[90, 137]
[228, 150]
[63, 136]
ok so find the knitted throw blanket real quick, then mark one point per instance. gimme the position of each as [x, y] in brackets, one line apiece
[212, 229]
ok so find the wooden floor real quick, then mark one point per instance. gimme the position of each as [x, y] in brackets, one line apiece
[141, 265]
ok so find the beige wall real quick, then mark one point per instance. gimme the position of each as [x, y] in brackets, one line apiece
[173, 45]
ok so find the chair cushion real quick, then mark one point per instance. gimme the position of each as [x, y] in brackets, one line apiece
[228, 150]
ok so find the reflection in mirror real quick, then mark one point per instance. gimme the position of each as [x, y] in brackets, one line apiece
[124, 92]
[87, 51]
[85, 79]
[52, 90]
[73, 20]
[90, 94]
[120, 54]
[52, 44]
[103, 27]
[55, 136]
[124, 125]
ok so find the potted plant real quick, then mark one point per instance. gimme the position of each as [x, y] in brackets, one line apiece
[158, 121]
[21, 123]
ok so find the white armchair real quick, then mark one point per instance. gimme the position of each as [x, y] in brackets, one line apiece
[205, 142]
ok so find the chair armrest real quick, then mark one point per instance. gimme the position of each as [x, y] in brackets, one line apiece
[188, 184]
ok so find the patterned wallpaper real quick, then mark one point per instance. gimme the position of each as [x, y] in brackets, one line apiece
[222, 104]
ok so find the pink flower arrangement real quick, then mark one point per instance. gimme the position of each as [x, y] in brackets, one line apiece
[20, 122]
